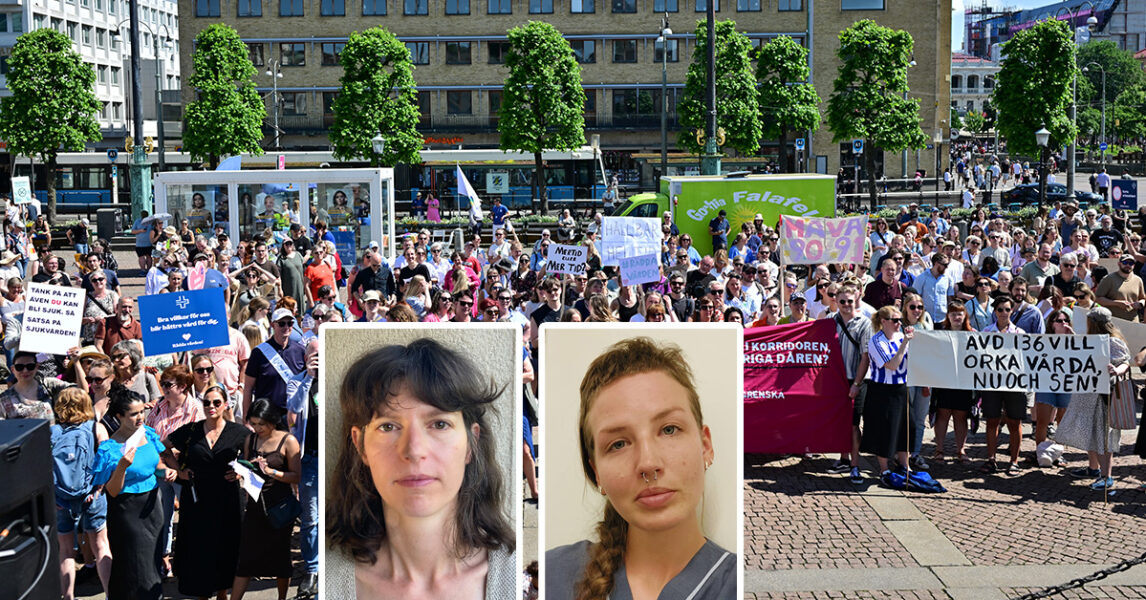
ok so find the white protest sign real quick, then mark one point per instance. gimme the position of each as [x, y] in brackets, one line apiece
[629, 236]
[248, 480]
[135, 440]
[52, 319]
[566, 259]
[1068, 364]
[1135, 333]
[21, 190]
[636, 270]
[813, 240]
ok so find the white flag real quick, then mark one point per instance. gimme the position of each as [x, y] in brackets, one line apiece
[248, 480]
[467, 190]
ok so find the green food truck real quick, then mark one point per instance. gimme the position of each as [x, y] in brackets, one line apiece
[696, 200]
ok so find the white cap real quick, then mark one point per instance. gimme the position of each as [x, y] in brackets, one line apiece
[282, 313]
[372, 244]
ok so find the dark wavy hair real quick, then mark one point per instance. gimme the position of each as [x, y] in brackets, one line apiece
[449, 382]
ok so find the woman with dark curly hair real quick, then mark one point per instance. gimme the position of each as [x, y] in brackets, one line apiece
[416, 490]
[645, 447]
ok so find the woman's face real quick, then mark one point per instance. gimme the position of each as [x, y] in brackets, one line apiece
[171, 389]
[214, 404]
[643, 429]
[417, 456]
[261, 428]
[99, 381]
[132, 417]
[25, 368]
[122, 361]
[956, 318]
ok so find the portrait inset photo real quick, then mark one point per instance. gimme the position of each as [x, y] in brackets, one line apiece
[421, 459]
[641, 461]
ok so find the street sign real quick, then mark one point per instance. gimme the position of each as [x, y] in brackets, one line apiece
[1102, 146]
[282, 162]
[857, 146]
[112, 154]
[115, 170]
[800, 144]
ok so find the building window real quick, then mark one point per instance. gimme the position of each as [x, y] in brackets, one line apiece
[328, 99]
[494, 102]
[203, 8]
[747, 6]
[499, 7]
[111, 7]
[250, 8]
[972, 83]
[624, 51]
[86, 32]
[789, 5]
[12, 23]
[497, 52]
[956, 81]
[539, 7]
[255, 52]
[330, 53]
[970, 105]
[3, 65]
[333, 8]
[38, 21]
[101, 74]
[457, 53]
[585, 51]
[294, 103]
[582, 6]
[72, 34]
[659, 51]
[101, 38]
[424, 107]
[416, 7]
[373, 8]
[116, 110]
[663, 6]
[291, 8]
[419, 52]
[457, 7]
[624, 6]
[459, 103]
[861, 4]
[988, 83]
[702, 6]
[115, 75]
[629, 103]
[99, 5]
[292, 55]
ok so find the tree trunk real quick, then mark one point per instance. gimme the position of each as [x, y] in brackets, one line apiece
[783, 156]
[869, 164]
[213, 160]
[50, 169]
[539, 175]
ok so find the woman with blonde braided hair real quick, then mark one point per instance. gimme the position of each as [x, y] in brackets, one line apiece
[645, 447]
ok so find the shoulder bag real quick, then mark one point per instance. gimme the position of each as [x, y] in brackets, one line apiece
[1122, 397]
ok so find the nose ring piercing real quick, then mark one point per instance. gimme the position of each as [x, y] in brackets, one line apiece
[646, 477]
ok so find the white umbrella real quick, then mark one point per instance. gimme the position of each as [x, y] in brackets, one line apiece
[157, 217]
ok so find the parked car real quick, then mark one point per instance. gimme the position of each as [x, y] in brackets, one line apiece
[1028, 193]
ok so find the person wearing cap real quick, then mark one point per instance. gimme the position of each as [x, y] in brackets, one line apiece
[8, 268]
[78, 235]
[718, 228]
[273, 363]
[292, 269]
[302, 244]
[666, 222]
[1122, 291]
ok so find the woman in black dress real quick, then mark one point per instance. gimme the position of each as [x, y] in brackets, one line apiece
[210, 513]
[264, 550]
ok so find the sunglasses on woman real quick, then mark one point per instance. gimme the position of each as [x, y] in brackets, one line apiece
[205, 370]
[24, 366]
[216, 402]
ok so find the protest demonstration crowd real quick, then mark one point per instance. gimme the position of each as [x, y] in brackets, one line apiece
[145, 441]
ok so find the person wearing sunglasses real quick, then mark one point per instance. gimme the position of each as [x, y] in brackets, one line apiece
[175, 409]
[30, 397]
[1122, 291]
[203, 375]
[917, 318]
[273, 363]
[885, 406]
[1050, 407]
[463, 307]
[210, 514]
[1003, 406]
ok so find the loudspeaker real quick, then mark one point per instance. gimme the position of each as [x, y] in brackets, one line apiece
[29, 553]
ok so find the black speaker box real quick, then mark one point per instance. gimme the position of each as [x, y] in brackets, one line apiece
[27, 512]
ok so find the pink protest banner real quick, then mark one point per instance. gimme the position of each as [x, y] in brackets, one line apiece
[814, 240]
[795, 393]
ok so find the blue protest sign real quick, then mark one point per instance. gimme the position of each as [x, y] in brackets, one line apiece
[182, 321]
[345, 246]
[1124, 194]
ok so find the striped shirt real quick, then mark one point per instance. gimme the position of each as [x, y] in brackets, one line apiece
[883, 350]
[165, 419]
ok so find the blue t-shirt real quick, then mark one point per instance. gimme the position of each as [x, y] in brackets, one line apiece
[140, 476]
[498, 211]
[142, 240]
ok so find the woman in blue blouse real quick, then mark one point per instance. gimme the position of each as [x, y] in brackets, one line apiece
[885, 410]
[134, 511]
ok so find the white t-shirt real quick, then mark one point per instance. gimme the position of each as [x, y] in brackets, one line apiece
[968, 199]
[226, 360]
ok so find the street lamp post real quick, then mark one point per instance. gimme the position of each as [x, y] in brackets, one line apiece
[663, 39]
[275, 72]
[1091, 22]
[378, 144]
[158, 82]
[1042, 138]
[710, 162]
[140, 167]
[1086, 69]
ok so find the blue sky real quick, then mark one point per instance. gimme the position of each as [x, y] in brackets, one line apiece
[957, 14]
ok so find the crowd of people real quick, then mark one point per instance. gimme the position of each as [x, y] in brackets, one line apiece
[254, 399]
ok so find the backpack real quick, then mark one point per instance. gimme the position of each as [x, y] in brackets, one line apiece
[73, 454]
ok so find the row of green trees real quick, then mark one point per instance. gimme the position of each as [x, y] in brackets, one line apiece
[52, 108]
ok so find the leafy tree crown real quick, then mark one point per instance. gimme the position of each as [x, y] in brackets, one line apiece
[543, 103]
[227, 114]
[737, 105]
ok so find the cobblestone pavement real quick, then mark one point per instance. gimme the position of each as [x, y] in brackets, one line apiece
[811, 534]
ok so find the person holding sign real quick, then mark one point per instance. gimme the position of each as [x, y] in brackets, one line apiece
[885, 410]
[644, 445]
[1004, 406]
[1086, 425]
[127, 465]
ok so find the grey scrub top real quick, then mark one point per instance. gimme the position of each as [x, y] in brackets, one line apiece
[710, 575]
